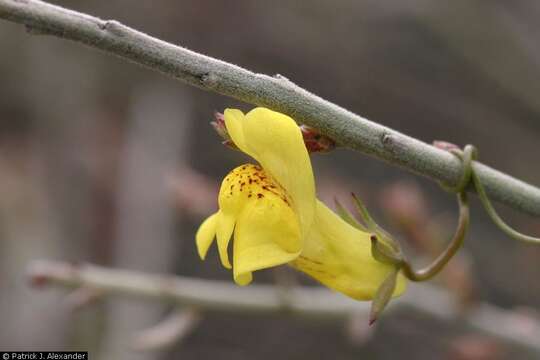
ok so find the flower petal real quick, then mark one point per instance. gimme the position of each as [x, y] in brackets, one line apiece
[267, 234]
[224, 231]
[243, 279]
[234, 121]
[276, 142]
[339, 256]
[205, 235]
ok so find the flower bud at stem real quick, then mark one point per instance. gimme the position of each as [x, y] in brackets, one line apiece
[315, 141]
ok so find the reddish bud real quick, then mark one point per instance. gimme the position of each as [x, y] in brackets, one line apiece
[221, 129]
[38, 280]
[219, 125]
[315, 141]
[445, 145]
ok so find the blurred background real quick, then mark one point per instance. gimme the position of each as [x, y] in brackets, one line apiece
[105, 162]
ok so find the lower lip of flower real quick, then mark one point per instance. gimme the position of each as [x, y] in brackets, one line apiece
[251, 182]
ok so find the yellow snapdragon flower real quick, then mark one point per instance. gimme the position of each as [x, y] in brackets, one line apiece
[275, 218]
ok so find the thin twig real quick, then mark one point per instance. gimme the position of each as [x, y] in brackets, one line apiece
[277, 93]
[309, 302]
[169, 332]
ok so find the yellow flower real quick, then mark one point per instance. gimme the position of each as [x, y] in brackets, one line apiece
[276, 218]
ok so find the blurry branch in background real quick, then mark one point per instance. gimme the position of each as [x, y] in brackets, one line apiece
[192, 192]
[310, 302]
[276, 92]
[169, 332]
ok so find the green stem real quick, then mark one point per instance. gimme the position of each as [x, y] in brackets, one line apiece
[504, 227]
[452, 248]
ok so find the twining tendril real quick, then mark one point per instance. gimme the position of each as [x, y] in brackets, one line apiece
[440, 262]
[385, 249]
[468, 154]
[384, 253]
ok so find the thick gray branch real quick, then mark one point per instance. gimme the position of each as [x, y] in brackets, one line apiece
[313, 302]
[274, 92]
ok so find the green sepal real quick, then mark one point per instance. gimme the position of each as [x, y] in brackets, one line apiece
[383, 295]
[385, 253]
[372, 226]
[348, 217]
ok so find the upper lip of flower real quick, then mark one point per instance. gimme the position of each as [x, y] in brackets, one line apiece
[269, 208]
[276, 142]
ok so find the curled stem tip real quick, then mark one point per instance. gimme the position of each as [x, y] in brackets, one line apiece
[389, 252]
[457, 241]
[467, 155]
[497, 220]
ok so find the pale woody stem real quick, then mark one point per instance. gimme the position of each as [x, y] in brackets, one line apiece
[277, 93]
[308, 302]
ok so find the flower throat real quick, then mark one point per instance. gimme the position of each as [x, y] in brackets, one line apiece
[251, 182]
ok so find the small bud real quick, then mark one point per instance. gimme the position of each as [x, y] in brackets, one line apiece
[445, 145]
[230, 144]
[38, 280]
[315, 141]
[221, 129]
[219, 125]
